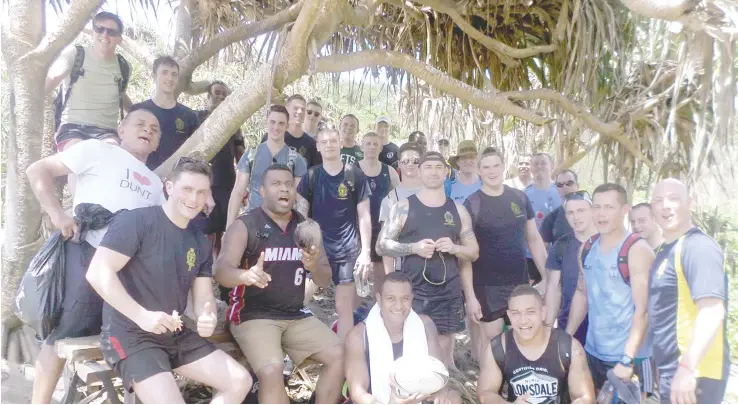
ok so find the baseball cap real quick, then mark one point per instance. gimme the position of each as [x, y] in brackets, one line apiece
[382, 119]
[432, 156]
[628, 391]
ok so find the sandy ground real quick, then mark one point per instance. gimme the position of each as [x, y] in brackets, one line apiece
[17, 381]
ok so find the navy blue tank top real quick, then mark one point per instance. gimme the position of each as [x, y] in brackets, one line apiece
[380, 186]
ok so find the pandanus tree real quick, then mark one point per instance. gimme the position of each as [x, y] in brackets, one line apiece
[647, 85]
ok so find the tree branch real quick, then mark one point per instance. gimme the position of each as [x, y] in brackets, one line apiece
[507, 53]
[613, 129]
[203, 53]
[433, 76]
[79, 12]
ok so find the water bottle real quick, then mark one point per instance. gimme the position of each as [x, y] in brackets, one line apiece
[607, 394]
[363, 285]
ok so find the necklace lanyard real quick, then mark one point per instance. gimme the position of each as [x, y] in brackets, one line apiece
[425, 267]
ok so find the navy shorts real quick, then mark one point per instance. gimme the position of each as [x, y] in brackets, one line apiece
[493, 300]
[67, 132]
[82, 308]
[446, 314]
[643, 368]
[343, 272]
[154, 354]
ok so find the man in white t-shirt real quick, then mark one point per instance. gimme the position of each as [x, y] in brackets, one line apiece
[115, 177]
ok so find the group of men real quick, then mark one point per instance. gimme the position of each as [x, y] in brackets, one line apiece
[449, 241]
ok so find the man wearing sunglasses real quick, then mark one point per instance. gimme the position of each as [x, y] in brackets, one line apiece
[555, 225]
[99, 77]
[434, 237]
[409, 185]
[563, 261]
[313, 113]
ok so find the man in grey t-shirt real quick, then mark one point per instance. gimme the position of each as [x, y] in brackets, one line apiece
[251, 171]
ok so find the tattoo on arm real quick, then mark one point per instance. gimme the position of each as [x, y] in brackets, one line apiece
[302, 206]
[387, 244]
[581, 286]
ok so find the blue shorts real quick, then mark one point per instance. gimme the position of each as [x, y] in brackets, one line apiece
[343, 271]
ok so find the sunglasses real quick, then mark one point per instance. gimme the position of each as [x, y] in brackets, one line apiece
[569, 183]
[578, 195]
[313, 113]
[112, 32]
[184, 160]
[408, 161]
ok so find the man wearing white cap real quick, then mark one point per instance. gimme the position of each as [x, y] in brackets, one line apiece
[390, 151]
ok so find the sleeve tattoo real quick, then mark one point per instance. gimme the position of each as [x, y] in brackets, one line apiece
[387, 244]
[581, 286]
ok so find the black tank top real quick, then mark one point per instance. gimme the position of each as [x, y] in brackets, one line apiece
[283, 297]
[544, 379]
[434, 223]
[380, 186]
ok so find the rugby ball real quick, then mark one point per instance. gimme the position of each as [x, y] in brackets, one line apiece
[424, 375]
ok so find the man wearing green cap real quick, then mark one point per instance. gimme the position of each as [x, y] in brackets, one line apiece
[465, 179]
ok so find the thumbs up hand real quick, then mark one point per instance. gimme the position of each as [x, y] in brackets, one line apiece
[256, 275]
[207, 321]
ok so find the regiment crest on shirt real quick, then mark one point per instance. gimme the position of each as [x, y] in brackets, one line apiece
[342, 191]
[179, 124]
[515, 208]
[448, 219]
[190, 259]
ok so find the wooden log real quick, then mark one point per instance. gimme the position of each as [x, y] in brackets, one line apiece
[14, 350]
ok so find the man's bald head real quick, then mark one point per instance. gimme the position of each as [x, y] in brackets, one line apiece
[671, 207]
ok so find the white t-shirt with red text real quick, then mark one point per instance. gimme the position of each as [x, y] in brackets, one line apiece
[110, 176]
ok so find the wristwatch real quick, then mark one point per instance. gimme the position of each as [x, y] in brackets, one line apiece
[626, 361]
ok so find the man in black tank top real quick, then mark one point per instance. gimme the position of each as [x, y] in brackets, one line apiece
[382, 178]
[434, 237]
[266, 309]
[557, 375]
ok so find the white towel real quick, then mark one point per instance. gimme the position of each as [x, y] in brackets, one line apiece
[381, 358]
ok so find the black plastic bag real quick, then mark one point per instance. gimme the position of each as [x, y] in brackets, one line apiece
[40, 296]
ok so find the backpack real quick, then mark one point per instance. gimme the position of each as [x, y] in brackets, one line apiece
[60, 103]
[349, 178]
[622, 254]
[292, 155]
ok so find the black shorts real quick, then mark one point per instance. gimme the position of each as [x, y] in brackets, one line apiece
[643, 368]
[446, 314]
[533, 272]
[493, 300]
[82, 308]
[154, 353]
[67, 132]
[343, 272]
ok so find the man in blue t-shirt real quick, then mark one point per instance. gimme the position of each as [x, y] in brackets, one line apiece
[177, 121]
[336, 196]
[465, 180]
[563, 261]
[544, 197]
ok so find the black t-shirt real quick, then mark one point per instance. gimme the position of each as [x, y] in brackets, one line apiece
[165, 260]
[283, 297]
[500, 222]
[333, 206]
[390, 154]
[177, 125]
[434, 223]
[223, 163]
[304, 145]
[380, 186]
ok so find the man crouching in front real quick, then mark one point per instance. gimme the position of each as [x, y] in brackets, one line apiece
[144, 268]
